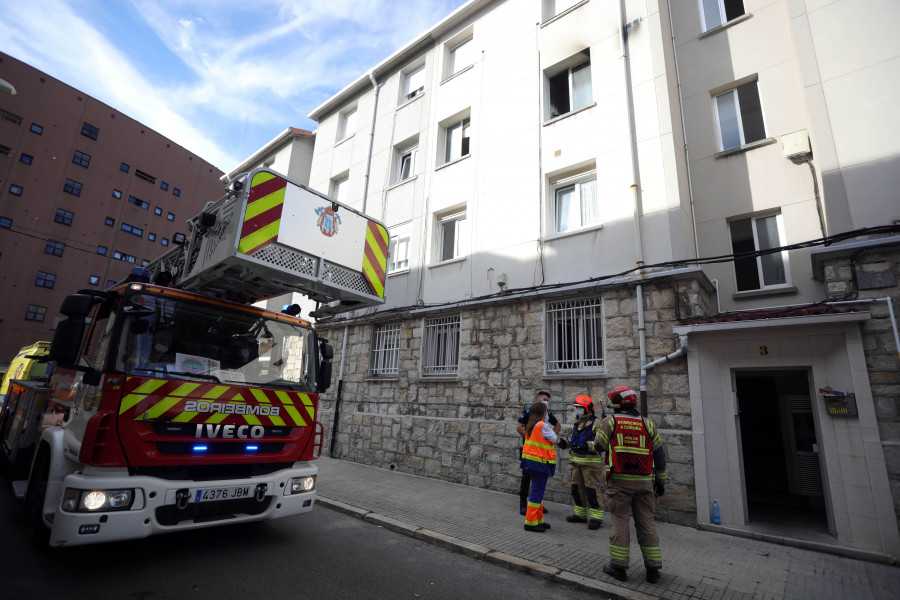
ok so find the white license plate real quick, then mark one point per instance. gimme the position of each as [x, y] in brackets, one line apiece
[221, 493]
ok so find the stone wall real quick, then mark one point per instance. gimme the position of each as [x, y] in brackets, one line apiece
[464, 429]
[879, 267]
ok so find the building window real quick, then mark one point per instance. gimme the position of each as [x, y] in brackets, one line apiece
[413, 83]
[163, 186]
[456, 140]
[35, 313]
[124, 167]
[574, 336]
[145, 262]
[8, 116]
[714, 13]
[26, 158]
[398, 252]
[54, 248]
[145, 176]
[575, 203]
[555, 7]
[110, 283]
[35, 128]
[64, 217]
[117, 194]
[170, 216]
[5, 223]
[45, 280]
[109, 222]
[90, 131]
[346, 123]
[72, 187]
[151, 236]
[93, 280]
[138, 202]
[101, 250]
[385, 358]
[15, 190]
[176, 192]
[157, 211]
[755, 235]
[460, 54]
[5, 150]
[164, 241]
[339, 188]
[132, 229]
[569, 85]
[123, 256]
[82, 159]
[440, 347]
[739, 116]
[452, 236]
[406, 162]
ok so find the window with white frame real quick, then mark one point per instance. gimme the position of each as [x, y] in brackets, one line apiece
[714, 13]
[398, 250]
[757, 234]
[346, 123]
[385, 358]
[739, 117]
[569, 85]
[460, 54]
[406, 156]
[339, 188]
[440, 347]
[452, 236]
[574, 336]
[575, 203]
[555, 7]
[456, 140]
[413, 83]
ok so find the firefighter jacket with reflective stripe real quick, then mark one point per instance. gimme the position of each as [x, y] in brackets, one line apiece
[630, 442]
[538, 453]
[582, 433]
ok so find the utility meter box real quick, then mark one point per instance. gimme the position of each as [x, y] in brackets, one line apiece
[795, 144]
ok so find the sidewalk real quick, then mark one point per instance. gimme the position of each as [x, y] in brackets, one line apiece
[696, 564]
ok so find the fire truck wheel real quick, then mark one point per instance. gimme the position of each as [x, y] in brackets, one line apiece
[34, 499]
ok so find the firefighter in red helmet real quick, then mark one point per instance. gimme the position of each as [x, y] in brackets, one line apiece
[587, 467]
[636, 476]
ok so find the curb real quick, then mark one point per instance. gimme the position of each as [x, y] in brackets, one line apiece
[515, 563]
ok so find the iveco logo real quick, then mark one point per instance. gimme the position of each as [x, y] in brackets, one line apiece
[230, 431]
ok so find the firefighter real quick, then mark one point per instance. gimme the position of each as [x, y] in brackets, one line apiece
[587, 467]
[635, 478]
[538, 460]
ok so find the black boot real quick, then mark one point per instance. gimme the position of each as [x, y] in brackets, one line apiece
[523, 505]
[653, 574]
[535, 528]
[615, 571]
[575, 519]
[595, 524]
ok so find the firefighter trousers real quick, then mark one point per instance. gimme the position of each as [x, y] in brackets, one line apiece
[587, 482]
[624, 499]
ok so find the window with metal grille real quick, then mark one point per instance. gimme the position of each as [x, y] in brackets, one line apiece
[145, 176]
[90, 131]
[385, 357]
[440, 347]
[54, 248]
[45, 280]
[8, 116]
[35, 313]
[574, 335]
[64, 217]
[5, 150]
[81, 159]
[72, 187]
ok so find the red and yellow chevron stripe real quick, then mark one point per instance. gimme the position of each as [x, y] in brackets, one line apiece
[263, 215]
[146, 399]
[375, 257]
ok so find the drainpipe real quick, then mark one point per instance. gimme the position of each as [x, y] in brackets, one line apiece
[635, 196]
[340, 393]
[376, 87]
[682, 350]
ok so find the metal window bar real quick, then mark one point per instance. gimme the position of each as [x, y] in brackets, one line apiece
[441, 346]
[574, 335]
[385, 350]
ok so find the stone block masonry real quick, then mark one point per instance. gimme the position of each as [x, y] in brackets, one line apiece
[462, 428]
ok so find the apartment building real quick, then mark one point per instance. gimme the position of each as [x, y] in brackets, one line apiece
[586, 193]
[86, 193]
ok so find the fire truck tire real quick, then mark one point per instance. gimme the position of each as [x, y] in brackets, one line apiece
[34, 499]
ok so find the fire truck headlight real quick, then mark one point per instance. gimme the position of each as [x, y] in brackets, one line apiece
[302, 484]
[96, 500]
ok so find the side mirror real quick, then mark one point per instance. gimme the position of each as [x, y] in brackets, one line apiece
[323, 381]
[67, 341]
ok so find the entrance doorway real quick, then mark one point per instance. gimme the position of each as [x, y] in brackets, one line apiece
[780, 448]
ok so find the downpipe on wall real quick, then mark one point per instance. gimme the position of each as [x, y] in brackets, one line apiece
[340, 393]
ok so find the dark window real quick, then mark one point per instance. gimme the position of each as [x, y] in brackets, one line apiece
[101, 250]
[157, 211]
[5, 150]
[81, 159]
[63, 216]
[138, 202]
[124, 167]
[145, 176]
[170, 216]
[54, 248]
[122, 256]
[45, 280]
[5, 223]
[35, 128]
[109, 222]
[164, 186]
[164, 241]
[151, 236]
[26, 158]
[72, 187]
[117, 194]
[110, 283]
[94, 280]
[90, 131]
[35, 313]
[15, 190]
[8, 116]
[176, 192]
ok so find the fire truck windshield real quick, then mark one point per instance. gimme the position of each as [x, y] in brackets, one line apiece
[162, 336]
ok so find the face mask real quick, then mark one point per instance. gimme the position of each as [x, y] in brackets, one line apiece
[546, 402]
[580, 413]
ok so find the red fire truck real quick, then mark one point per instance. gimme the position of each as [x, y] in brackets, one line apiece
[174, 403]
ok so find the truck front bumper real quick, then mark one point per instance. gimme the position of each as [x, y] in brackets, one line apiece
[162, 505]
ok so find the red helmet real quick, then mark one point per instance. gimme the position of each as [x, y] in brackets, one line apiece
[585, 402]
[622, 396]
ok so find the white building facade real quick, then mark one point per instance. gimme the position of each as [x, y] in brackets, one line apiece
[550, 173]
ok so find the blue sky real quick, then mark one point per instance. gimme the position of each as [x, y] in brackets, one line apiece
[220, 77]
